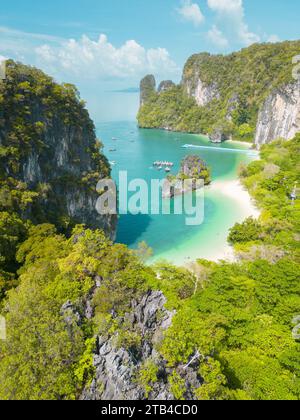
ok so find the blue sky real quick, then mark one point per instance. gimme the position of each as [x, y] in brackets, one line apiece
[105, 46]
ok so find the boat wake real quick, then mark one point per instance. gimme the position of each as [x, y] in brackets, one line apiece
[220, 149]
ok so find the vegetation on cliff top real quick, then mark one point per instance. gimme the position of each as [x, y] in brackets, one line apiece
[243, 81]
[32, 108]
[48, 351]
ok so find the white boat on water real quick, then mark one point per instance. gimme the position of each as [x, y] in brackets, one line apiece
[162, 164]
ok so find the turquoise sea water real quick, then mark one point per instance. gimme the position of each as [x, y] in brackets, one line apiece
[168, 235]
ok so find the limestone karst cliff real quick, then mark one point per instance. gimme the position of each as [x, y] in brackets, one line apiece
[196, 88]
[147, 88]
[279, 116]
[250, 95]
[49, 150]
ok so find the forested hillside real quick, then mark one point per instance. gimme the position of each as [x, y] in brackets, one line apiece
[50, 161]
[233, 322]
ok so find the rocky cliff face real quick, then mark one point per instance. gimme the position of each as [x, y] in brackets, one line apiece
[279, 116]
[48, 142]
[200, 91]
[66, 166]
[194, 174]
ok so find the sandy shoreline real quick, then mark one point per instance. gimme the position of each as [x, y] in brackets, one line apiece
[247, 145]
[237, 192]
[247, 208]
[219, 249]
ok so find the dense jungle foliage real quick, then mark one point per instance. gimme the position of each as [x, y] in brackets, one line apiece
[36, 115]
[238, 317]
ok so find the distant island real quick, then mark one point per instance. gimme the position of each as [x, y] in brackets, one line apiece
[249, 95]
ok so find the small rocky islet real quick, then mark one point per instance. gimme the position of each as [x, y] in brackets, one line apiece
[192, 170]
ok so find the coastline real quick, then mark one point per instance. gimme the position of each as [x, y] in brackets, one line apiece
[216, 248]
[237, 192]
[246, 144]
[240, 143]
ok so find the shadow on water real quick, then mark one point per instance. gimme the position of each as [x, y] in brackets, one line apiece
[131, 228]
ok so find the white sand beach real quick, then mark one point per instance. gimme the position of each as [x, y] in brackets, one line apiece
[237, 192]
[247, 208]
[211, 241]
[240, 143]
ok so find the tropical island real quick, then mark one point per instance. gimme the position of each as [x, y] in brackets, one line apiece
[86, 318]
[249, 95]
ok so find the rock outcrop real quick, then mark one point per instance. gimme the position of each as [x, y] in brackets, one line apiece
[165, 85]
[117, 368]
[147, 88]
[194, 167]
[217, 136]
[279, 116]
[233, 104]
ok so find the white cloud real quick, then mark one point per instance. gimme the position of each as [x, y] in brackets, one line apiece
[217, 37]
[85, 58]
[101, 59]
[20, 45]
[225, 5]
[232, 14]
[191, 12]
